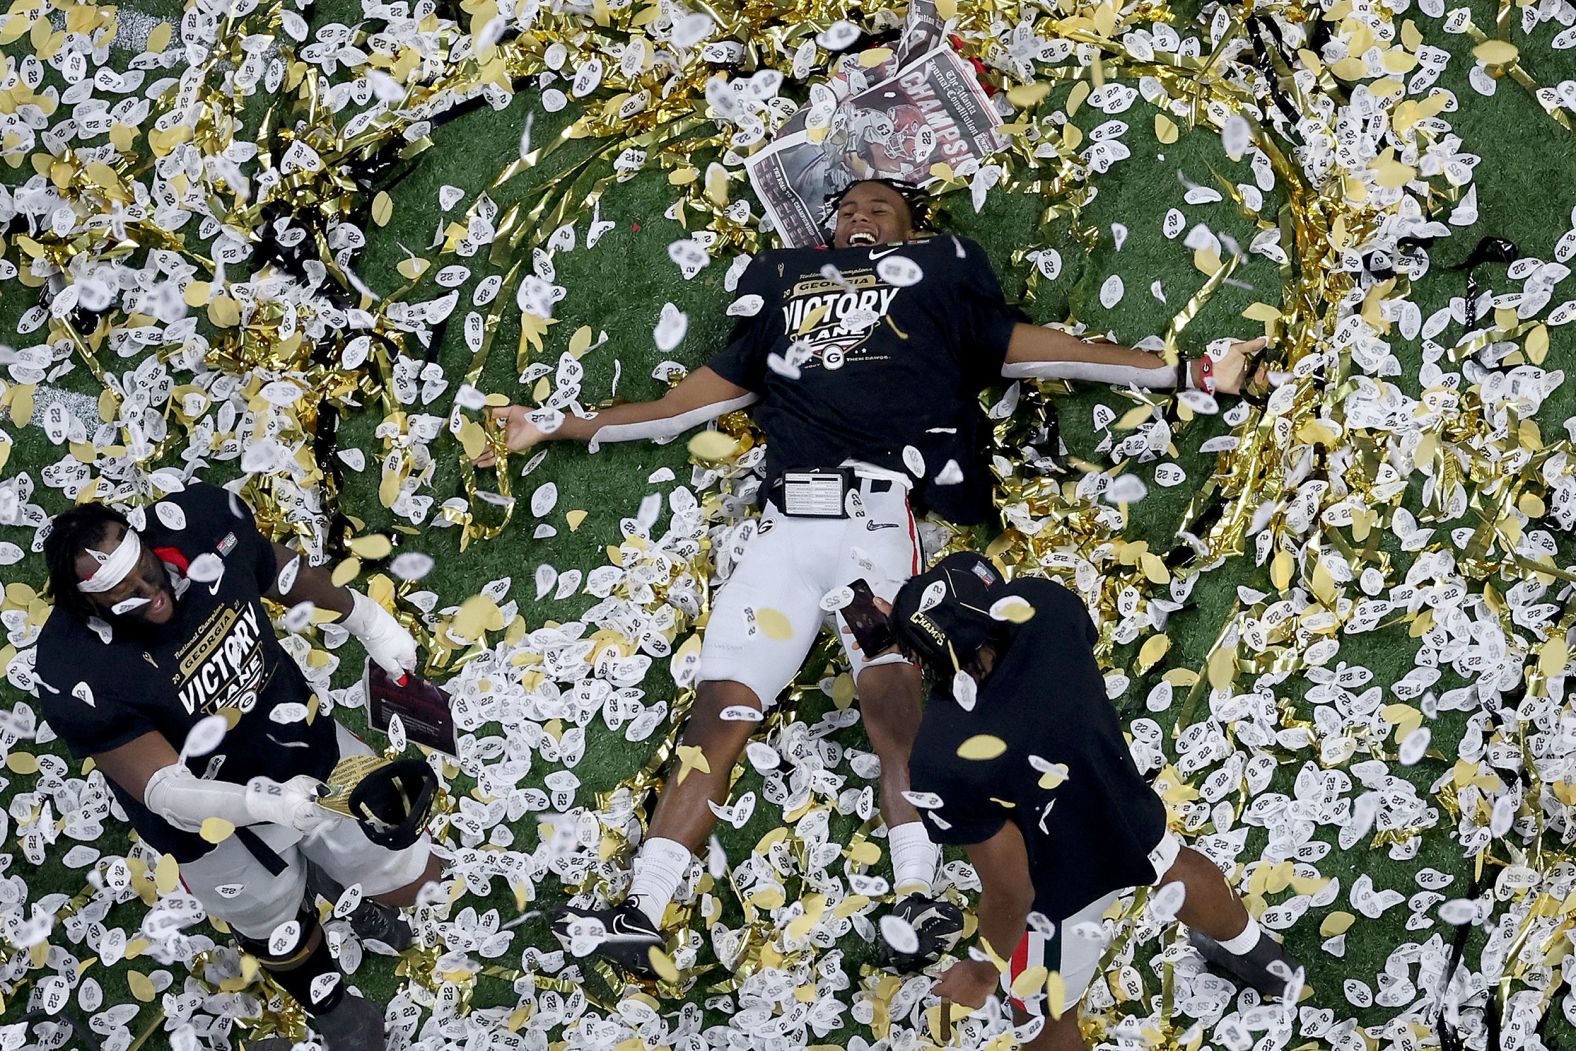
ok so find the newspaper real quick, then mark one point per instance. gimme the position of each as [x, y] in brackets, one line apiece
[927, 111]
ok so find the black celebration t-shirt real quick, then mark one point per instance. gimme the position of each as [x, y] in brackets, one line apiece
[900, 338]
[1066, 779]
[217, 654]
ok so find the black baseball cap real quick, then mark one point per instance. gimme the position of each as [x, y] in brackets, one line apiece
[942, 616]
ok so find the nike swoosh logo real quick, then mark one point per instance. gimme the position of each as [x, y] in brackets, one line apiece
[877, 255]
[621, 931]
[873, 526]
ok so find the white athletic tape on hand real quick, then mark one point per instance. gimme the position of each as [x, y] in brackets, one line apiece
[384, 638]
[113, 567]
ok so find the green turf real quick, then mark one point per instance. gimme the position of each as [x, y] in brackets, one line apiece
[621, 286]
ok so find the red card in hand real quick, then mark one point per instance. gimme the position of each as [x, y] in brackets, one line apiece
[422, 707]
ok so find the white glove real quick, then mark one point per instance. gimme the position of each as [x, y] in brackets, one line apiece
[292, 804]
[384, 638]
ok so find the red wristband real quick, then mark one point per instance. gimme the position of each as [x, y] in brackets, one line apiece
[1206, 373]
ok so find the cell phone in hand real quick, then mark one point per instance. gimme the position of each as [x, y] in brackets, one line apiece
[871, 628]
[422, 707]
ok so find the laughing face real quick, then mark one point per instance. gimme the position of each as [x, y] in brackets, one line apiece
[145, 596]
[872, 213]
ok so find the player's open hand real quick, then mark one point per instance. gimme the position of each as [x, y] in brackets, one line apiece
[519, 433]
[968, 982]
[1233, 369]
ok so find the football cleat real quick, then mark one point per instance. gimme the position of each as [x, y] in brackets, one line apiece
[1267, 966]
[620, 934]
[371, 920]
[937, 922]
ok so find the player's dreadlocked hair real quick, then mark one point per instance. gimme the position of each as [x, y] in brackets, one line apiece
[70, 532]
[913, 195]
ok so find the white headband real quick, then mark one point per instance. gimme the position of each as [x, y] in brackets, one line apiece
[113, 567]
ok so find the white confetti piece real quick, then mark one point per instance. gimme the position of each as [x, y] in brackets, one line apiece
[899, 271]
[746, 306]
[837, 36]
[1236, 136]
[411, 565]
[837, 599]
[284, 938]
[206, 568]
[671, 326]
[899, 934]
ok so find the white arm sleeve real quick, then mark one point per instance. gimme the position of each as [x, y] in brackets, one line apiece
[1162, 378]
[186, 800]
[670, 427]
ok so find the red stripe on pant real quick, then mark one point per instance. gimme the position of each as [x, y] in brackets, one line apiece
[1019, 964]
[913, 536]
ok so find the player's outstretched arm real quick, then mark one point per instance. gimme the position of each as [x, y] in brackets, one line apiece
[148, 768]
[700, 396]
[1006, 896]
[385, 639]
[1046, 353]
[308, 583]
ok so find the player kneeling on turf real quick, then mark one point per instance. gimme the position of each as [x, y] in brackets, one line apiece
[1021, 759]
[158, 628]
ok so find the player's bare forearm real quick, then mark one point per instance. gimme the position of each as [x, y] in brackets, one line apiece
[583, 429]
[698, 397]
[312, 584]
[702, 395]
[131, 764]
[1034, 343]
[1006, 891]
[1042, 353]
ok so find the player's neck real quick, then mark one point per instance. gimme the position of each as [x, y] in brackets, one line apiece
[912, 238]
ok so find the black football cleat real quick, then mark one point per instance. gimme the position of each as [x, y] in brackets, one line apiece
[1266, 967]
[371, 920]
[626, 939]
[937, 922]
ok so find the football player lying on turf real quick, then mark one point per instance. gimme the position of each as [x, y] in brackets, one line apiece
[863, 364]
[1055, 816]
[160, 625]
